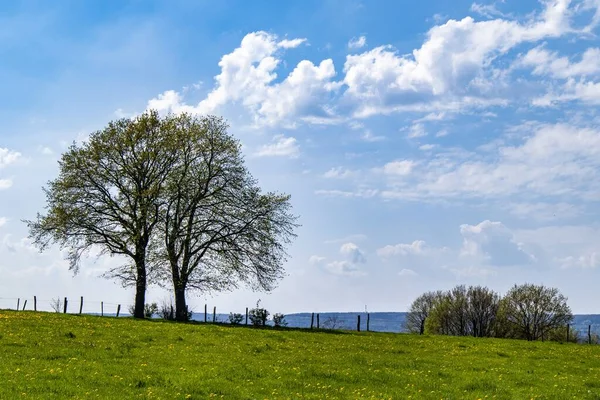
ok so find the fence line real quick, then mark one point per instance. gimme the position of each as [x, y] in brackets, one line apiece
[301, 320]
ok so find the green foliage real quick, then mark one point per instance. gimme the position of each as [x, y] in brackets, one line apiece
[534, 311]
[235, 319]
[258, 316]
[124, 358]
[150, 310]
[279, 320]
[526, 312]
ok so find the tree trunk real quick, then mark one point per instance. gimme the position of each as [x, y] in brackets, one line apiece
[181, 310]
[140, 289]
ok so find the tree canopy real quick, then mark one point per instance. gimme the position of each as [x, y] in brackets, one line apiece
[171, 194]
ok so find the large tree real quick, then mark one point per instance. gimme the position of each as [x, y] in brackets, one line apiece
[217, 228]
[531, 312]
[107, 195]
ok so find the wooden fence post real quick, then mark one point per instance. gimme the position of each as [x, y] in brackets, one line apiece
[118, 310]
[102, 309]
[318, 321]
[312, 320]
[215, 314]
[568, 332]
[246, 315]
[358, 324]
[368, 321]
[18, 304]
[65, 306]
[81, 305]
[24, 304]
[34, 303]
[205, 312]
[589, 334]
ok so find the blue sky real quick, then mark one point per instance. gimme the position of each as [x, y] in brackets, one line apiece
[424, 144]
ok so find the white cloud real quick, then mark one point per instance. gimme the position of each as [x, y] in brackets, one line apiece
[47, 151]
[416, 131]
[247, 76]
[369, 137]
[8, 157]
[3, 221]
[357, 43]
[344, 268]
[316, 260]
[492, 243]
[5, 184]
[399, 167]
[454, 61]
[417, 247]
[339, 173]
[359, 193]
[280, 147]
[545, 62]
[556, 161]
[353, 253]
[407, 272]
[290, 44]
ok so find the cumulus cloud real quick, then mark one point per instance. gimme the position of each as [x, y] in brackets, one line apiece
[8, 157]
[247, 76]
[353, 253]
[494, 244]
[454, 62]
[281, 146]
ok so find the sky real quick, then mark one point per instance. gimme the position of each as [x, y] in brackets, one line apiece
[424, 144]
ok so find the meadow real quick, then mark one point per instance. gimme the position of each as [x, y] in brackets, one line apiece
[56, 356]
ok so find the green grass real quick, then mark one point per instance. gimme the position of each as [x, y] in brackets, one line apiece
[45, 355]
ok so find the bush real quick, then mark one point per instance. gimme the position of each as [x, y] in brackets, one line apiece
[149, 310]
[235, 319]
[258, 316]
[279, 320]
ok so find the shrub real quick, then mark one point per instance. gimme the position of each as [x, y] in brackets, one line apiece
[279, 320]
[235, 319]
[149, 310]
[258, 316]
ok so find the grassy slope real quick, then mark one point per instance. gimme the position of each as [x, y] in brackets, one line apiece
[46, 355]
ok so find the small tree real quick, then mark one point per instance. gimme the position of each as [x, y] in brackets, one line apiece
[258, 316]
[279, 320]
[419, 311]
[57, 305]
[333, 322]
[235, 318]
[532, 312]
[482, 310]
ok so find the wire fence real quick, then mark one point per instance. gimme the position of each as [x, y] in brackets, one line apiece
[392, 322]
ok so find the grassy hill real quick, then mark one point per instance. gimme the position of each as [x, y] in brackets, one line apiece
[47, 356]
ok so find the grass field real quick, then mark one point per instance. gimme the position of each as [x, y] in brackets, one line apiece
[44, 355]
